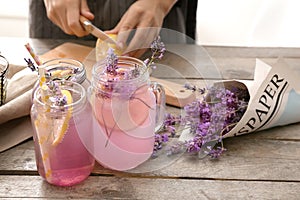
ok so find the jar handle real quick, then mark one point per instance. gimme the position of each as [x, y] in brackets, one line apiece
[159, 93]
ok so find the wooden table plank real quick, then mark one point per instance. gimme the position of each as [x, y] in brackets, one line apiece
[245, 159]
[96, 187]
[248, 157]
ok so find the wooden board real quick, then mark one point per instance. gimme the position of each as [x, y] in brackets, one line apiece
[102, 187]
[67, 50]
[176, 95]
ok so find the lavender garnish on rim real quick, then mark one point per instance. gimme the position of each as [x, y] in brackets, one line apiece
[113, 73]
[158, 50]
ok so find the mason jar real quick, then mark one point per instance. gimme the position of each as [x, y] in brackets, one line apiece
[126, 113]
[60, 135]
[65, 69]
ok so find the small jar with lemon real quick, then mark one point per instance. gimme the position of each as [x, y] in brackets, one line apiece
[61, 120]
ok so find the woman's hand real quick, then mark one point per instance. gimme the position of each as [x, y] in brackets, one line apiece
[65, 14]
[146, 16]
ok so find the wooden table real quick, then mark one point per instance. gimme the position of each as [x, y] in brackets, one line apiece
[262, 165]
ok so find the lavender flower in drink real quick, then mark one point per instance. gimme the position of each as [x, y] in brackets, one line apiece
[113, 73]
[111, 62]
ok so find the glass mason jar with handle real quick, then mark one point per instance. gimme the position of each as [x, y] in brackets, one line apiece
[61, 156]
[127, 109]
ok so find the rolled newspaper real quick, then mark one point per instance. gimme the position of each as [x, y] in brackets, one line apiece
[274, 98]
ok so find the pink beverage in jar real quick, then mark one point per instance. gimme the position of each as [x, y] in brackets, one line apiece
[61, 156]
[125, 111]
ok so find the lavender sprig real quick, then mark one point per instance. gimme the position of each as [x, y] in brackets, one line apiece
[158, 49]
[215, 153]
[194, 88]
[31, 65]
[51, 94]
[111, 62]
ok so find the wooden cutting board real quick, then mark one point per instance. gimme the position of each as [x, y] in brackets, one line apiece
[175, 93]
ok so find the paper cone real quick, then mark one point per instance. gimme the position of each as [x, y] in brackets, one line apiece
[274, 99]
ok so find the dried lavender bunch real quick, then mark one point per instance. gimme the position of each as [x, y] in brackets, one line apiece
[208, 119]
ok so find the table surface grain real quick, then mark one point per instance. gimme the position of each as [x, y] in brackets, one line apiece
[261, 165]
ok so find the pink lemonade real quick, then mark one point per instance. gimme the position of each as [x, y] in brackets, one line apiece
[70, 161]
[124, 112]
[124, 129]
[61, 156]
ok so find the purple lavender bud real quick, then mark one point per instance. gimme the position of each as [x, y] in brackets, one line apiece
[165, 137]
[75, 70]
[216, 153]
[111, 62]
[161, 56]
[147, 61]
[176, 148]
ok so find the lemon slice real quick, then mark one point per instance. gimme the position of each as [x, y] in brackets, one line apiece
[61, 74]
[56, 73]
[60, 126]
[102, 47]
